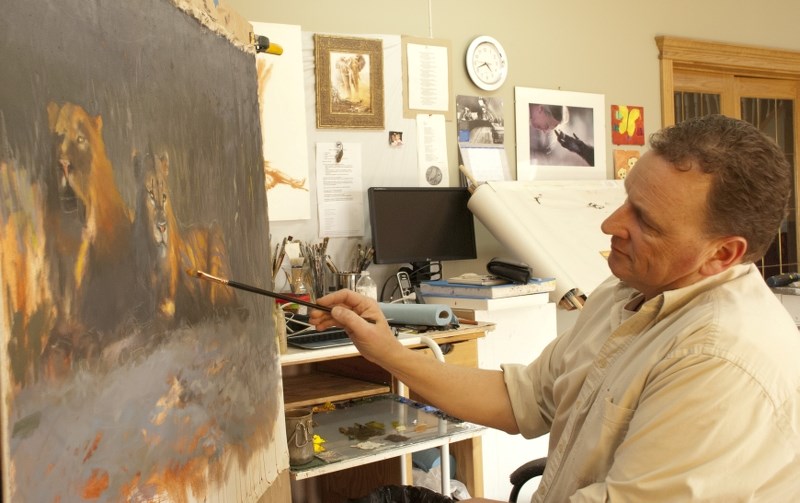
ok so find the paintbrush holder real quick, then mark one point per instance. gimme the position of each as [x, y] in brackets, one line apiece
[347, 280]
[295, 276]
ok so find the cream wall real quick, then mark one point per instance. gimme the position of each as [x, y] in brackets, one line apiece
[587, 46]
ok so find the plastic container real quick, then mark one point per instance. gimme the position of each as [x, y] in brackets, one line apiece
[366, 286]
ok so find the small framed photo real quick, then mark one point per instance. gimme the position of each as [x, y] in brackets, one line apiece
[395, 138]
[560, 135]
[349, 73]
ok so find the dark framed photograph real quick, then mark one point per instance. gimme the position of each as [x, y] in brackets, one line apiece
[349, 73]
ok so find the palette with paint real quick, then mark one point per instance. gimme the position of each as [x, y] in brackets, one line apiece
[384, 425]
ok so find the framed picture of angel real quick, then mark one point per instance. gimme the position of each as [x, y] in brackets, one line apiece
[349, 73]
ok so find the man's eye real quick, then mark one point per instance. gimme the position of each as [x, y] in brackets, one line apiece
[647, 224]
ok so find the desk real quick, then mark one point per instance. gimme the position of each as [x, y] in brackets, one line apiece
[314, 377]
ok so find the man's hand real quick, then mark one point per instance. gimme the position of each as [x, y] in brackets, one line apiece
[362, 319]
[472, 394]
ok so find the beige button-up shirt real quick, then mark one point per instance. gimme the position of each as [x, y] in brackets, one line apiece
[694, 397]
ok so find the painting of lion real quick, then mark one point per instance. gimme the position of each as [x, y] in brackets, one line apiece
[89, 229]
[164, 253]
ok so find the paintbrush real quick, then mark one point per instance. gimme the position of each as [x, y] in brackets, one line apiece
[260, 291]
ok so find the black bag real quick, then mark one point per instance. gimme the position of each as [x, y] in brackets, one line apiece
[511, 270]
[403, 494]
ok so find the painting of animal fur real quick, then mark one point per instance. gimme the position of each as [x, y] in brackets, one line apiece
[130, 153]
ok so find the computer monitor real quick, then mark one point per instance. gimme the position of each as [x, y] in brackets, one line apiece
[417, 226]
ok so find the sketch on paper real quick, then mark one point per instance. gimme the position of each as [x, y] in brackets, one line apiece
[123, 378]
[282, 107]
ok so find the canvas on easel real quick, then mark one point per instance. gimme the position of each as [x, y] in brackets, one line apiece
[130, 152]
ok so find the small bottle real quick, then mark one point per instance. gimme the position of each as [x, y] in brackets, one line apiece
[366, 286]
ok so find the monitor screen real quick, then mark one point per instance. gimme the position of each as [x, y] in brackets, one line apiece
[415, 225]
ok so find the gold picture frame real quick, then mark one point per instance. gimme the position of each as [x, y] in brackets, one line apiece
[349, 73]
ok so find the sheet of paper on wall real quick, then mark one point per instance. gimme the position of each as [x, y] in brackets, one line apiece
[432, 151]
[282, 110]
[428, 70]
[340, 202]
[485, 163]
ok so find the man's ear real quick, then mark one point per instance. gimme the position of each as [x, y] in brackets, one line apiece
[727, 252]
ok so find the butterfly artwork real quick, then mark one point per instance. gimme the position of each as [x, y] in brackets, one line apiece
[627, 125]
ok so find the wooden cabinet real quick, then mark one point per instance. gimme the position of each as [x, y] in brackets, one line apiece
[315, 377]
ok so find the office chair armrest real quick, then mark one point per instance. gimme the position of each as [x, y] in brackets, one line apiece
[523, 474]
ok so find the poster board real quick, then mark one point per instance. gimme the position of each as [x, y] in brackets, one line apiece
[553, 226]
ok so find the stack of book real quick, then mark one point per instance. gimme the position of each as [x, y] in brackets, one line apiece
[485, 292]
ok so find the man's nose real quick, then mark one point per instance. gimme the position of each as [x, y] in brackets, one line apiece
[613, 225]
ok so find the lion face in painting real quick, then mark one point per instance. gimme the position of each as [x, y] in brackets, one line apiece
[156, 200]
[77, 135]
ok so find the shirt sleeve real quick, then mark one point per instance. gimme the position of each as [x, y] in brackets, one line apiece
[524, 382]
[532, 388]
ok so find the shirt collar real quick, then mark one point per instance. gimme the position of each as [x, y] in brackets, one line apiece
[667, 302]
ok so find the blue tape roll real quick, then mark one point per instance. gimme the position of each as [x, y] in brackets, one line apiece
[433, 315]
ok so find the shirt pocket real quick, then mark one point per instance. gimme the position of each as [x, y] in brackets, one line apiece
[601, 434]
[616, 420]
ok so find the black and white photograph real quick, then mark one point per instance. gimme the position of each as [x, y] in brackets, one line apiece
[480, 120]
[559, 135]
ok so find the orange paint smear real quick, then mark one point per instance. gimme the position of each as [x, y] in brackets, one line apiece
[96, 485]
[93, 447]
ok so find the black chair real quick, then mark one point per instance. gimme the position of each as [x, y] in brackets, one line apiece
[523, 474]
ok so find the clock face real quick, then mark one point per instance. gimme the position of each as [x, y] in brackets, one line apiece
[487, 65]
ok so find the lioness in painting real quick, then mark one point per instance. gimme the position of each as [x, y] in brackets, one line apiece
[164, 253]
[157, 252]
[88, 235]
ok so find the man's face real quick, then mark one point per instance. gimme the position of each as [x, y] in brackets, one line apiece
[542, 120]
[658, 241]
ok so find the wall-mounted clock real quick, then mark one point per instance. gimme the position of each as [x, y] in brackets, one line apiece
[487, 64]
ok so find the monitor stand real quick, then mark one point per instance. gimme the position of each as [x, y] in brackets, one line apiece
[420, 271]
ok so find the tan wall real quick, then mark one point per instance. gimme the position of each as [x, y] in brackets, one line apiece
[587, 46]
